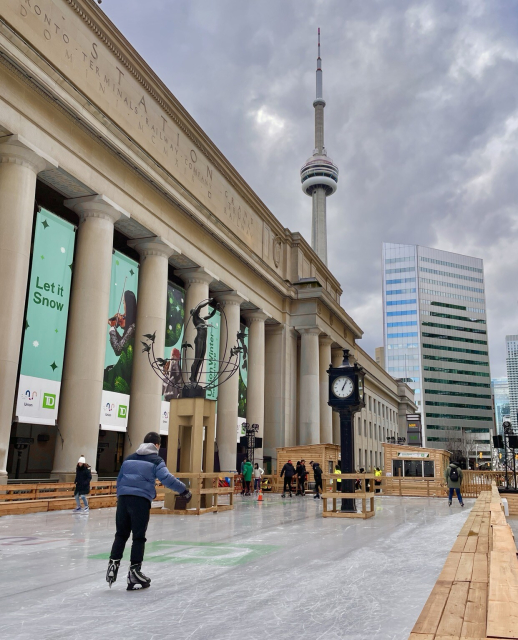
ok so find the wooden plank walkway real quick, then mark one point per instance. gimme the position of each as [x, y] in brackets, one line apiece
[476, 594]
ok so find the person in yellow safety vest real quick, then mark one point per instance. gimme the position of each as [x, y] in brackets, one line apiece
[377, 473]
[338, 470]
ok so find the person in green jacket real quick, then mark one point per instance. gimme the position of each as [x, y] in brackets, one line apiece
[247, 476]
[453, 477]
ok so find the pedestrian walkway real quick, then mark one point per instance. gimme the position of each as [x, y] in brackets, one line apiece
[272, 569]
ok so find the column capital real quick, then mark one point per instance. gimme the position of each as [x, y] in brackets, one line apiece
[325, 341]
[198, 275]
[308, 330]
[154, 246]
[15, 149]
[97, 206]
[231, 298]
[255, 315]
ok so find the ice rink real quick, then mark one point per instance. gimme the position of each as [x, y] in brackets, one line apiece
[275, 569]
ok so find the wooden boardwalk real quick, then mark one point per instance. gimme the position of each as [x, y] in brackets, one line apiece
[476, 594]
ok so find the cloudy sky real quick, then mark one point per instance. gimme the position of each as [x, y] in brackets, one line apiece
[421, 119]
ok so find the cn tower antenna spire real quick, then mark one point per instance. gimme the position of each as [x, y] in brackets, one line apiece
[319, 176]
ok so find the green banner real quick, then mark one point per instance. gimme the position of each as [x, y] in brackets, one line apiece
[243, 375]
[174, 330]
[46, 319]
[212, 354]
[120, 342]
[49, 292]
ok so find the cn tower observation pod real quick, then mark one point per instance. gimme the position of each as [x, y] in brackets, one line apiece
[319, 171]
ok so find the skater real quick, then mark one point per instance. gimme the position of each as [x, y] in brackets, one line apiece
[135, 492]
[82, 482]
[258, 472]
[317, 472]
[288, 471]
[301, 478]
[247, 477]
[453, 477]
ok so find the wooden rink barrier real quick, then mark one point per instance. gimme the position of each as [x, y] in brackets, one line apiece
[476, 594]
[367, 497]
[35, 497]
[204, 486]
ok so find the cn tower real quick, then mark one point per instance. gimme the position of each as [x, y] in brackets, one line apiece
[319, 176]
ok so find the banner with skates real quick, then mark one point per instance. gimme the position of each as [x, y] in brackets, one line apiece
[120, 343]
[46, 320]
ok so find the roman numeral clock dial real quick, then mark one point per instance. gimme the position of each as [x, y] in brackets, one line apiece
[343, 387]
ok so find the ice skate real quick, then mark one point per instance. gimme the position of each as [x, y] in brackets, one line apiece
[113, 569]
[77, 510]
[449, 503]
[136, 579]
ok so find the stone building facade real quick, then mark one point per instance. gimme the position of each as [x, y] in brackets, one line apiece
[92, 136]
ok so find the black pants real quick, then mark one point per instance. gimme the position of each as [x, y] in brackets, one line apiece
[318, 483]
[300, 489]
[132, 517]
[287, 483]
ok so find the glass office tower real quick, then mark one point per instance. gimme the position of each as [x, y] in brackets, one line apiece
[500, 392]
[435, 338]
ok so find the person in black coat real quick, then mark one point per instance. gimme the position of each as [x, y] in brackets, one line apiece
[317, 472]
[301, 475]
[288, 471]
[82, 482]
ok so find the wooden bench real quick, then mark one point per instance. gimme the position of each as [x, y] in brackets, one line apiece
[476, 594]
[17, 499]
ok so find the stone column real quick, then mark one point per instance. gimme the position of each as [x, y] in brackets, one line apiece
[83, 369]
[228, 392]
[309, 393]
[146, 386]
[336, 359]
[326, 418]
[274, 425]
[19, 165]
[255, 390]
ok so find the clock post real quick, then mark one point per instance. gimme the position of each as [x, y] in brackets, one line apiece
[346, 396]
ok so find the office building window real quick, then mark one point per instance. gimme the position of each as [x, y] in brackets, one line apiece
[458, 360]
[403, 259]
[460, 372]
[365, 428]
[450, 416]
[407, 323]
[360, 457]
[410, 334]
[400, 281]
[449, 316]
[445, 294]
[459, 350]
[451, 327]
[391, 303]
[459, 405]
[451, 264]
[359, 426]
[464, 394]
[458, 382]
[451, 285]
[439, 336]
[370, 429]
[408, 312]
[400, 270]
[397, 292]
[449, 274]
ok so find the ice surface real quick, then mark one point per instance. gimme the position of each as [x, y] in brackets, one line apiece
[275, 569]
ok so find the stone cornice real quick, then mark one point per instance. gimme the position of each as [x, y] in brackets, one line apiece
[256, 315]
[198, 275]
[231, 298]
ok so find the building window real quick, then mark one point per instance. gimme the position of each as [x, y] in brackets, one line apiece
[408, 323]
[370, 429]
[370, 404]
[452, 327]
[439, 336]
[411, 334]
[360, 457]
[449, 274]
[376, 458]
[400, 281]
[403, 259]
[458, 382]
[371, 459]
[359, 426]
[407, 312]
[451, 264]
[460, 372]
[365, 428]
[379, 432]
[481, 407]
[449, 416]
[458, 360]
[397, 292]
[391, 303]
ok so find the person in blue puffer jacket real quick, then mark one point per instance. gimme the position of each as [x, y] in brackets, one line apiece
[135, 492]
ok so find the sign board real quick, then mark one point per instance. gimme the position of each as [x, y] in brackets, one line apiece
[413, 454]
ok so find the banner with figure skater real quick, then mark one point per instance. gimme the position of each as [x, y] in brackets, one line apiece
[120, 343]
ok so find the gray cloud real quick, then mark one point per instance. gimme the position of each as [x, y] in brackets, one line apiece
[422, 121]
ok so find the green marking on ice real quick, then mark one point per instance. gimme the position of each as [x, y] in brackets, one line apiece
[54, 366]
[211, 553]
[45, 224]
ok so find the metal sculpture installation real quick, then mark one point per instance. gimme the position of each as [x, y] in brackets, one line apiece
[203, 374]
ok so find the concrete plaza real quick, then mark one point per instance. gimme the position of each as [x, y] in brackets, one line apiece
[275, 569]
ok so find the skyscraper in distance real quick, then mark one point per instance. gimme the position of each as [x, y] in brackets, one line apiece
[500, 393]
[511, 343]
[435, 338]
